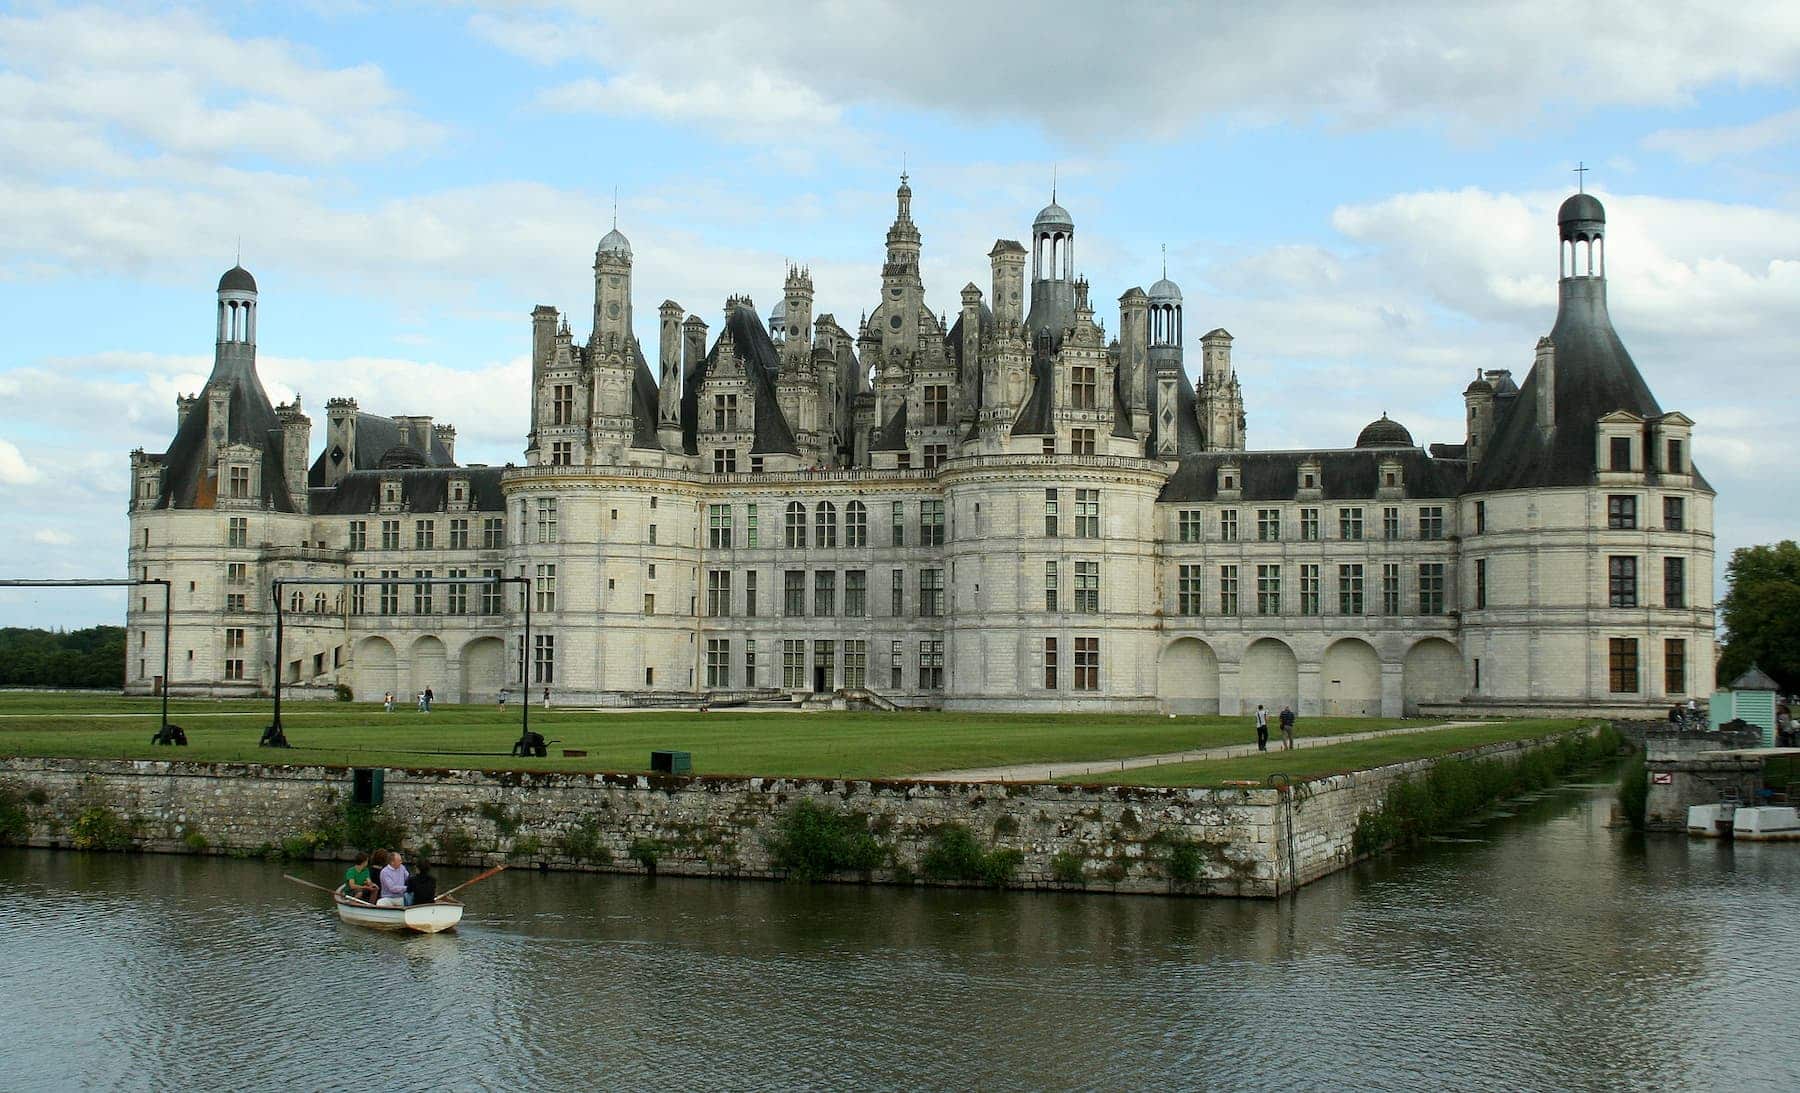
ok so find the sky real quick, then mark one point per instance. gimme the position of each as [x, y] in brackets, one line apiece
[1363, 195]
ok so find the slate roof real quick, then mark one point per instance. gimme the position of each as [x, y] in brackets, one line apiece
[891, 436]
[1344, 474]
[376, 436]
[761, 364]
[1754, 680]
[424, 490]
[188, 481]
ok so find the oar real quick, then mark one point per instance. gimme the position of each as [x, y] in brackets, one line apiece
[477, 878]
[333, 892]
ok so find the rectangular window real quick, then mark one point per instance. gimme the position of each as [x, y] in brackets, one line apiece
[390, 535]
[562, 453]
[1431, 588]
[234, 669]
[793, 664]
[1050, 589]
[718, 527]
[718, 662]
[1622, 665]
[1087, 664]
[725, 413]
[825, 524]
[1350, 523]
[931, 523]
[750, 526]
[237, 532]
[1673, 466]
[898, 600]
[359, 535]
[562, 404]
[937, 404]
[1621, 511]
[1084, 387]
[490, 593]
[543, 658]
[1480, 517]
[456, 596]
[1268, 590]
[718, 593]
[1674, 514]
[1390, 588]
[1309, 589]
[1350, 589]
[856, 593]
[825, 592]
[1309, 525]
[1050, 498]
[493, 532]
[649, 603]
[1190, 590]
[236, 573]
[424, 534]
[1087, 588]
[896, 658]
[750, 662]
[724, 460]
[422, 593]
[1087, 514]
[856, 525]
[1228, 590]
[546, 520]
[899, 523]
[935, 454]
[793, 593]
[390, 593]
[931, 593]
[856, 664]
[1268, 525]
[824, 665]
[1480, 584]
[459, 533]
[234, 601]
[1431, 522]
[240, 482]
[794, 526]
[234, 638]
[1228, 526]
[931, 665]
[1390, 522]
[1621, 458]
[1050, 664]
[750, 594]
[1188, 525]
[1621, 581]
[545, 587]
[1674, 665]
[1675, 582]
[1081, 442]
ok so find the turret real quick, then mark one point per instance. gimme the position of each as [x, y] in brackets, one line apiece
[693, 346]
[1221, 400]
[1478, 399]
[970, 377]
[444, 434]
[1544, 365]
[797, 301]
[612, 288]
[1134, 357]
[296, 434]
[1007, 260]
[1164, 329]
[1052, 270]
[340, 439]
[668, 377]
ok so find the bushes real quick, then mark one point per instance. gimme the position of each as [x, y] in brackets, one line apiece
[343, 692]
[814, 842]
[100, 828]
[15, 819]
[581, 843]
[1634, 791]
[954, 855]
[1068, 867]
[1455, 789]
[646, 852]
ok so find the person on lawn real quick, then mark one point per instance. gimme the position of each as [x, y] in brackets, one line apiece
[1287, 727]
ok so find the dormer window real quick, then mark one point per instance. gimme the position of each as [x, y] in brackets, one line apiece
[1619, 458]
[390, 493]
[1674, 464]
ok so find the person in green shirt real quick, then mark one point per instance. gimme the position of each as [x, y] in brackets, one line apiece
[357, 884]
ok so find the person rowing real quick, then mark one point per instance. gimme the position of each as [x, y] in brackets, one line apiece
[357, 882]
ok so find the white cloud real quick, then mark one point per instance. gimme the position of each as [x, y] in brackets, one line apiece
[1727, 141]
[52, 537]
[754, 106]
[14, 470]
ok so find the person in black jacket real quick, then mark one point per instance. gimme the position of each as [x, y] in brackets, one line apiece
[421, 885]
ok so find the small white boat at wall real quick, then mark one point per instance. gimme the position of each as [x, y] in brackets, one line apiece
[424, 918]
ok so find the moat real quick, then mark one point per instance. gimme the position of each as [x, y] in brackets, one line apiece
[1541, 950]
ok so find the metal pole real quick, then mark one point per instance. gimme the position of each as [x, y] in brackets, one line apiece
[274, 736]
[525, 733]
[168, 606]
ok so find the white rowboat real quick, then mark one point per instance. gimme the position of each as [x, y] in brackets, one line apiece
[424, 918]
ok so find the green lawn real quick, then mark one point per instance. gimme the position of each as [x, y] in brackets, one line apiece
[1303, 764]
[857, 745]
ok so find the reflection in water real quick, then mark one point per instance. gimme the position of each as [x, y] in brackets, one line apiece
[1543, 951]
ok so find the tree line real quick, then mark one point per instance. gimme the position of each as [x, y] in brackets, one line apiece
[94, 657]
[1761, 614]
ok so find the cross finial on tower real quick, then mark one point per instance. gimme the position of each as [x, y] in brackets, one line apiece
[615, 208]
[1165, 248]
[1581, 170]
[902, 168]
[1053, 184]
[239, 260]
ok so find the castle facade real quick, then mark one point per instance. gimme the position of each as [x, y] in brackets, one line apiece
[1010, 509]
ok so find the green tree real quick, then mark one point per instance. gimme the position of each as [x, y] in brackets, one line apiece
[1761, 613]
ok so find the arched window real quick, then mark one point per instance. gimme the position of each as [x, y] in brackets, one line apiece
[856, 524]
[319, 604]
[796, 524]
[825, 524]
[297, 602]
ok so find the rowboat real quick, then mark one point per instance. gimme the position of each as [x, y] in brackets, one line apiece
[424, 918]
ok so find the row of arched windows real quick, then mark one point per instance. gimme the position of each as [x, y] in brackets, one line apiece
[825, 524]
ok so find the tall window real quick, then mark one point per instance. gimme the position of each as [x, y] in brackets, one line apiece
[237, 532]
[1087, 514]
[796, 525]
[1309, 524]
[856, 524]
[931, 523]
[1082, 442]
[825, 592]
[824, 665]
[1083, 387]
[422, 593]
[359, 594]
[718, 527]
[1480, 583]
[493, 533]
[390, 535]
[1674, 666]
[718, 662]
[1673, 464]
[1050, 586]
[1050, 512]
[240, 482]
[856, 593]
[1350, 523]
[793, 664]
[1050, 664]
[896, 660]
[1087, 664]
[359, 535]
[856, 664]
[236, 573]
[750, 538]
[390, 593]
[1390, 588]
[1390, 522]
[937, 404]
[1621, 511]
[1674, 582]
[750, 593]
[490, 593]
[931, 665]
[718, 592]
[1268, 525]
[750, 662]
[1228, 525]
[459, 533]
[546, 519]
[1190, 590]
[1350, 589]
[424, 534]
[1431, 588]
[1087, 588]
[1621, 581]
[545, 588]
[1268, 590]
[1674, 514]
[897, 597]
[899, 523]
[825, 524]
[1480, 517]
[1228, 590]
[1622, 665]
[931, 592]
[562, 404]
[1621, 458]
[1431, 522]
[456, 596]
[1309, 589]
[1189, 525]
[793, 593]
[725, 413]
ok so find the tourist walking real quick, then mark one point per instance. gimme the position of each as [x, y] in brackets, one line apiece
[1287, 727]
[504, 694]
[1262, 728]
[387, 702]
[546, 698]
[429, 699]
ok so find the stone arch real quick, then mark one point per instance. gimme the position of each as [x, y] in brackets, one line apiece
[374, 669]
[428, 665]
[1268, 675]
[1431, 673]
[1350, 680]
[1187, 677]
[483, 670]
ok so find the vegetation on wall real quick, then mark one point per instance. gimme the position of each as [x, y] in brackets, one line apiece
[1761, 614]
[956, 855]
[814, 842]
[94, 657]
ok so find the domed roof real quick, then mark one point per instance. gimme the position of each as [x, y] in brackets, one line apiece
[1165, 291]
[402, 457]
[614, 242]
[779, 311]
[1384, 432]
[1581, 206]
[1053, 216]
[237, 279]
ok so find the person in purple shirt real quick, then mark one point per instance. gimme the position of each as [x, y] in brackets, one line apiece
[393, 883]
